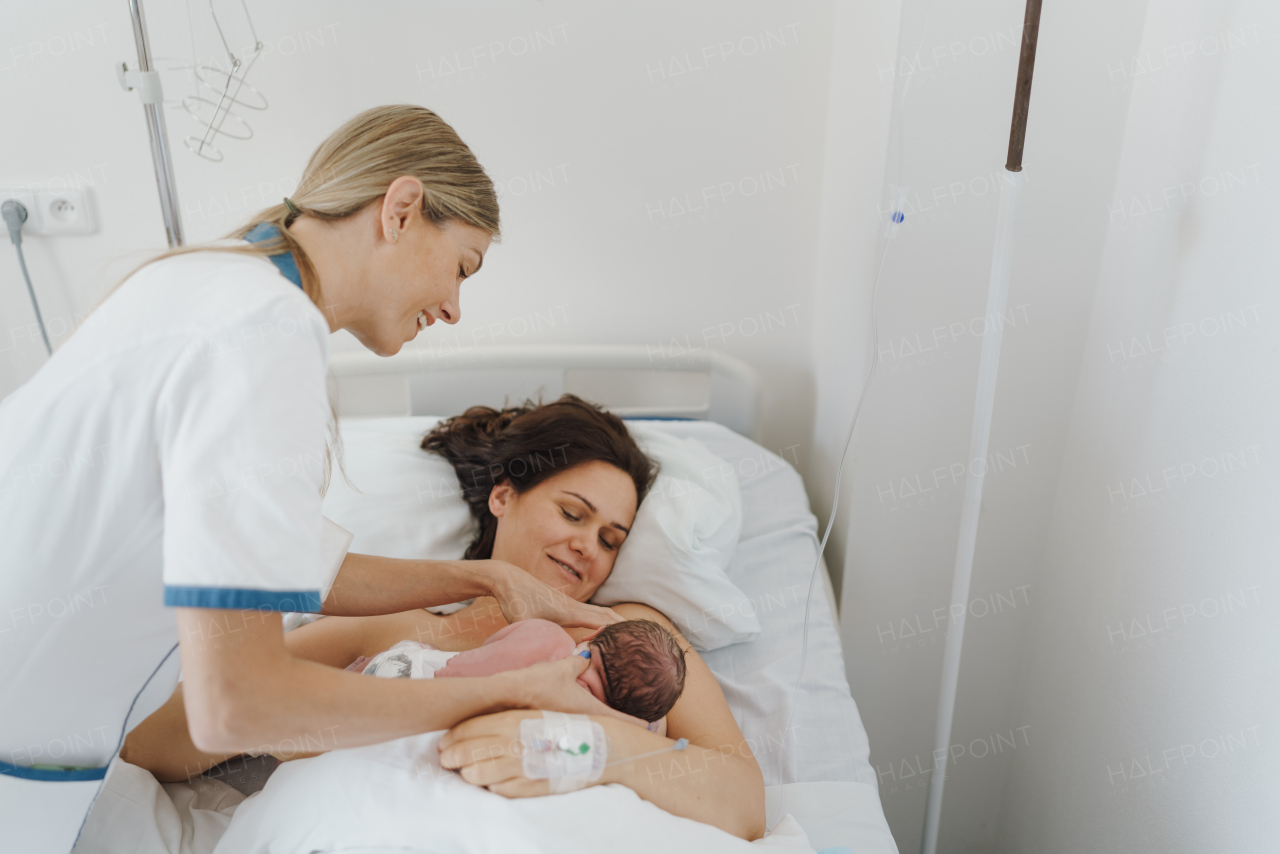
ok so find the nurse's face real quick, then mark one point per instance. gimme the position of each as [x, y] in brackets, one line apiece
[413, 281]
[567, 530]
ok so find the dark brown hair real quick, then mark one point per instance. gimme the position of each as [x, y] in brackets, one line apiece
[524, 445]
[643, 668]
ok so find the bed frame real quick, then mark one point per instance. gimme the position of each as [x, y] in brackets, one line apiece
[633, 381]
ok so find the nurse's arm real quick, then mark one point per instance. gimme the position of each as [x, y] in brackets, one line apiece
[244, 691]
[162, 743]
[367, 586]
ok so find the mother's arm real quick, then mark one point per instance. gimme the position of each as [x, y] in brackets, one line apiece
[715, 780]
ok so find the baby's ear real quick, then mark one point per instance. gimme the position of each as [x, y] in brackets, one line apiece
[593, 635]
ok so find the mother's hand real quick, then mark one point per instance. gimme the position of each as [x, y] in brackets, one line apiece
[487, 750]
[523, 597]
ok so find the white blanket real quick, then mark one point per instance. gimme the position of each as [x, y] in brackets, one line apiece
[396, 795]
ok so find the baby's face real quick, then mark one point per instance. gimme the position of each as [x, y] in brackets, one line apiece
[593, 677]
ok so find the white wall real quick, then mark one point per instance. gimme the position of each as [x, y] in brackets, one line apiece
[69, 124]
[603, 137]
[864, 36]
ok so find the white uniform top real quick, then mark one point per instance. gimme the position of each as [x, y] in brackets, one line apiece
[171, 453]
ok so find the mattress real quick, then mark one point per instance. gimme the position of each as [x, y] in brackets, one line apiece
[809, 738]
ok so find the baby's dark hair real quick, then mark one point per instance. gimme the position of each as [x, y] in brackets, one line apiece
[643, 668]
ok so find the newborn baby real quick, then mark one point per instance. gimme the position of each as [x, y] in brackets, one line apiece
[636, 665]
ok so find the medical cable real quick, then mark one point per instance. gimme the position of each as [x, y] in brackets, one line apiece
[124, 729]
[681, 744]
[15, 214]
[896, 217]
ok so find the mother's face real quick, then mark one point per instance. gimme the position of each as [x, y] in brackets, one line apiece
[567, 530]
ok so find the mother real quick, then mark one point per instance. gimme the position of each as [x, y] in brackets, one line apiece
[563, 524]
[166, 463]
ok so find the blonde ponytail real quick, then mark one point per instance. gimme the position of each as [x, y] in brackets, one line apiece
[354, 167]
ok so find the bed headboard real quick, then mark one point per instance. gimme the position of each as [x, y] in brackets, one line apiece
[629, 380]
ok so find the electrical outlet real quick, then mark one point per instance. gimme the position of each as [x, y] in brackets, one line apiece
[52, 213]
[65, 212]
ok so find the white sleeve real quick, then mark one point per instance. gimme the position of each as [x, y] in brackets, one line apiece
[241, 435]
[337, 540]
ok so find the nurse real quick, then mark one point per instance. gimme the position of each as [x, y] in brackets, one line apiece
[161, 481]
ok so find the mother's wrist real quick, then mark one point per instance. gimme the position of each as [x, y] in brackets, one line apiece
[626, 740]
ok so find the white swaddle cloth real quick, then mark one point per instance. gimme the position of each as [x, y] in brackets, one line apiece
[408, 660]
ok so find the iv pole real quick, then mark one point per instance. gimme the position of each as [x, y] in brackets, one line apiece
[984, 403]
[147, 82]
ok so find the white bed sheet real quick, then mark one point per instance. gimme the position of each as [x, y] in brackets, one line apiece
[815, 767]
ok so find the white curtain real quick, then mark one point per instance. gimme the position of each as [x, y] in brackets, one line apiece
[1153, 682]
[1119, 686]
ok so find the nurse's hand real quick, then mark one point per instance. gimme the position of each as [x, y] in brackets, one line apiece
[554, 686]
[523, 597]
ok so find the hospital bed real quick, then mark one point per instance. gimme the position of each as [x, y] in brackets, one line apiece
[810, 742]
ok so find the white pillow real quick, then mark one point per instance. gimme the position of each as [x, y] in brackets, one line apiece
[407, 503]
[685, 531]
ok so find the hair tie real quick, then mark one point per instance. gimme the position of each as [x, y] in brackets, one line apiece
[293, 209]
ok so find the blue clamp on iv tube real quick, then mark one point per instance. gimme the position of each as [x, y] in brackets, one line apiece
[897, 212]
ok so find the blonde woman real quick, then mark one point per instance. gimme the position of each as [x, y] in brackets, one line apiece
[161, 481]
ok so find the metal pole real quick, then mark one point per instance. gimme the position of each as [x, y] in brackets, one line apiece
[159, 136]
[1022, 92]
[980, 435]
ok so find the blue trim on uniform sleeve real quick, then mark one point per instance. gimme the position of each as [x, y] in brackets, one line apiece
[241, 599]
[284, 261]
[52, 775]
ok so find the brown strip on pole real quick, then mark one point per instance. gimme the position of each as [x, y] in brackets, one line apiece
[1022, 95]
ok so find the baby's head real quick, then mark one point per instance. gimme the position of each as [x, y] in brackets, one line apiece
[641, 667]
